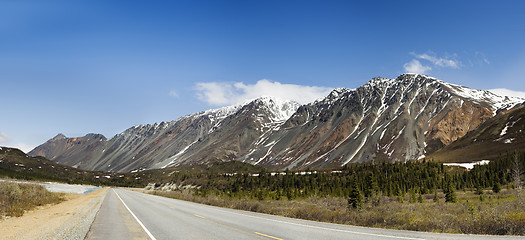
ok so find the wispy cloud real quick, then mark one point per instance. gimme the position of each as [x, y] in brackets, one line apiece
[4, 138]
[438, 61]
[430, 61]
[174, 93]
[507, 92]
[481, 58]
[228, 93]
[7, 141]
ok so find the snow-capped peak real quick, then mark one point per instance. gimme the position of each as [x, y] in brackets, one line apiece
[334, 95]
[494, 101]
[380, 81]
[219, 113]
[281, 110]
[338, 92]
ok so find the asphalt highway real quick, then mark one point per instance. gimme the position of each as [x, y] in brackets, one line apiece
[126, 214]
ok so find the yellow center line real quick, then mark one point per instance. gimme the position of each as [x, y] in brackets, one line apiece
[198, 216]
[172, 207]
[268, 236]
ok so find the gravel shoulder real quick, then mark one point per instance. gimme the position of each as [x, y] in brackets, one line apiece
[70, 219]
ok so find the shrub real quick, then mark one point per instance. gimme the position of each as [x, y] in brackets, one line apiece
[15, 198]
[496, 188]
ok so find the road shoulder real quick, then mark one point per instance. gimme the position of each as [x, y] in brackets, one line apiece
[70, 219]
[114, 221]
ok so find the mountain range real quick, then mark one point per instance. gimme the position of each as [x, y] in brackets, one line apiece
[407, 118]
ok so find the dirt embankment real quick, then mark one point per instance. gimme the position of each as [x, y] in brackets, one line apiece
[70, 219]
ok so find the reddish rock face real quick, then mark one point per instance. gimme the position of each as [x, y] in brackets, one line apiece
[448, 126]
[491, 140]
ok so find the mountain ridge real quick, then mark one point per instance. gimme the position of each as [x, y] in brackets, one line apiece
[397, 119]
[144, 146]
[348, 117]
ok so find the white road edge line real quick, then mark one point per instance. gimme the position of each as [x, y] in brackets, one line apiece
[323, 228]
[297, 224]
[136, 218]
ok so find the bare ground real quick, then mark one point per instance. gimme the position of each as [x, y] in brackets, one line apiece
[70, 219]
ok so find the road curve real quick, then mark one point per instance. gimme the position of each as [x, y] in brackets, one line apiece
[147, 216]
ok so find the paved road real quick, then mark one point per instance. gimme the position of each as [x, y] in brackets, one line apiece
[131, 215]
[114, 221]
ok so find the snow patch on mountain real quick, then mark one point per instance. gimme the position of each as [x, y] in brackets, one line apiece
[508, 92]
[173, 158]
[281, 110]
[504, 130]
[334, 95]
[497, 102]
[468, 165]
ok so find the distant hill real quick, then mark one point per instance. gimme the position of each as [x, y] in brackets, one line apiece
[16, 164]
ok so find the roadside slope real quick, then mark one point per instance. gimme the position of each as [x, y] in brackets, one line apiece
[70, 219]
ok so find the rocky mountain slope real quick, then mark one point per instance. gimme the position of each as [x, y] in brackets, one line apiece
[385, 120]
[397, 119]
[218, 134]
[496, 137]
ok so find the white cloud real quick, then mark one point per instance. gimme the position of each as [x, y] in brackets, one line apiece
[442, 62]
[507, 92]
[415, 66]
[4, 138]
[224, 93]
[430, 60]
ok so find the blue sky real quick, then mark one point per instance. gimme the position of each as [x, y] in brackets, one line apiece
[77, 67]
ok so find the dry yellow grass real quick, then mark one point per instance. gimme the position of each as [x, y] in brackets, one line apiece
[15, 198]
[36, 224]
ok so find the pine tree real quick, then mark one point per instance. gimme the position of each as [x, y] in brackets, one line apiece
[496, 188]
[450, 193]
[412, 195]
[260, 195]
[516, 175]
[355, 199]
[289, 194]
[371, 187]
